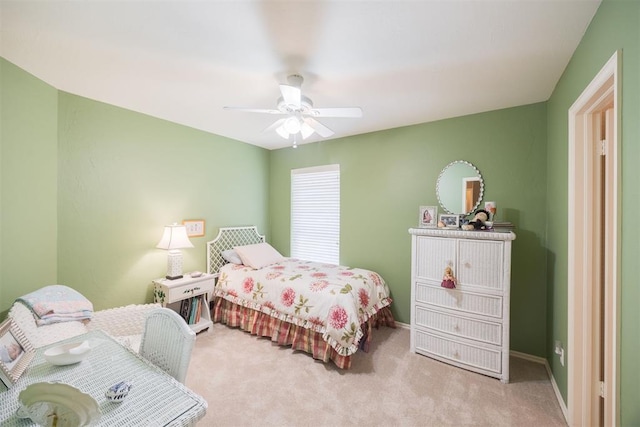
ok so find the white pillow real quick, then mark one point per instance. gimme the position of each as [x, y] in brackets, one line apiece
[258, 255]
[231, 256]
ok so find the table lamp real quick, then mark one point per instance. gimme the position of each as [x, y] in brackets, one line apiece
[173, 239]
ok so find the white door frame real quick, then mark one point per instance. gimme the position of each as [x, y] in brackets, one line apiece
[464, 190]
[584, 250]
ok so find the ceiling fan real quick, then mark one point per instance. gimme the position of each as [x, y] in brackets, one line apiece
[300, 112]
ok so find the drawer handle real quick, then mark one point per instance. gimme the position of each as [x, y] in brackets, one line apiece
[456, 327]
[456, 354]
[192, 290]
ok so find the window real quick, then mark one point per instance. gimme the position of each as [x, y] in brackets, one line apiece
[315, 214]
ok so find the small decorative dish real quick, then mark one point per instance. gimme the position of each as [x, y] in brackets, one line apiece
[58, 404]
[117, 392]
[67, 354]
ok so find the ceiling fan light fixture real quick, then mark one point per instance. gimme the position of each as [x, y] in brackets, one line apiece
[292, 125]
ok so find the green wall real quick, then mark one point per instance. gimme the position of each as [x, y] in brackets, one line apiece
[616, 26]
[124, 175]
[87, 187]
[28, 189]
[386, 176]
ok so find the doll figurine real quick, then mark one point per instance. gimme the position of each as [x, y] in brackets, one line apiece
[448, 280]
[478, 222]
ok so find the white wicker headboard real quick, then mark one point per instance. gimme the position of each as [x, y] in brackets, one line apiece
[227, 238]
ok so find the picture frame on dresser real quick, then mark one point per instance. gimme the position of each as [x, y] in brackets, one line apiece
[15, 353]
[427, 216]
[450, 221]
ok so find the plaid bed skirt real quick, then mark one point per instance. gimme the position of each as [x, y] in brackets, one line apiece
[299, 338]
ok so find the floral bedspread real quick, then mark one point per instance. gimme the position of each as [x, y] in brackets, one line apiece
[329, 299]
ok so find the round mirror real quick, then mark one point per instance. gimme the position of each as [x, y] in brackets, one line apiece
[459, 188]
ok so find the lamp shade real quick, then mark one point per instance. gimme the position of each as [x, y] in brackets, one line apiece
[174, 237]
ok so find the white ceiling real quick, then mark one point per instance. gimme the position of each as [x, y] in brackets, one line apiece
[404, 62]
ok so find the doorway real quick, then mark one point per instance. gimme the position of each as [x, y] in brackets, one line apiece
[593, 267]
[471, 193]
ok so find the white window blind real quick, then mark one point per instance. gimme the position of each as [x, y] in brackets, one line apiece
[315, 214]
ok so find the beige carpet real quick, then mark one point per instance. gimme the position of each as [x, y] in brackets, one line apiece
[249, 381]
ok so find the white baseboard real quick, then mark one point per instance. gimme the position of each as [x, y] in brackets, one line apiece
[556, 390]
[529, 357]
[403, 325]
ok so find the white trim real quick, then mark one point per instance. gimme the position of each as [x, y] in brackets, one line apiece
[529, 357]
[403, 325]
[556, 390]
[554, 384]
[584, 248]
[314, 169]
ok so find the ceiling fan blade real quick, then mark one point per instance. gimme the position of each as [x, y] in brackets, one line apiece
[318, 127]
[274, 125]
[254, 110]
[291, 95]
[337, 112]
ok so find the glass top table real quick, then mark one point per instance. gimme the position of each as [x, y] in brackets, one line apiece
[155, 398]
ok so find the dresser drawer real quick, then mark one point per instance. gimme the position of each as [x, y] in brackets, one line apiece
[190, 289]
[489, 332]
[489, 305]
[476, 357]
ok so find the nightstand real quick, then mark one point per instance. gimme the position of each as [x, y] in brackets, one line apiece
[189, 297]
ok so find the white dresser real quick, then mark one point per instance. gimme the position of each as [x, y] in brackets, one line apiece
[467, 326]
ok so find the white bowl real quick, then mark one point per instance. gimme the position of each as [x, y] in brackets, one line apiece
[58, 404]
[67, 354]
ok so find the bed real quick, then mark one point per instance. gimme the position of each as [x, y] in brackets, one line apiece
[326, 310]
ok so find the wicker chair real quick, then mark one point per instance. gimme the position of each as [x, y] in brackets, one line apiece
[167, 342]
[125, 324]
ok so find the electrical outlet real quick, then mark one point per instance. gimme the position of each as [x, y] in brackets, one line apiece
[559, 351]
[558, 346]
